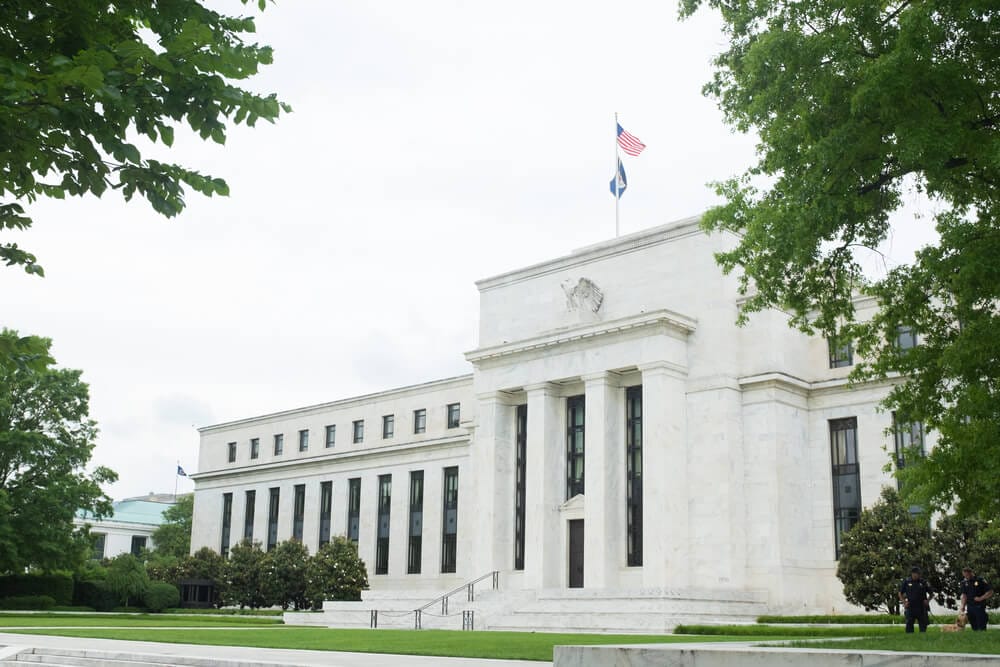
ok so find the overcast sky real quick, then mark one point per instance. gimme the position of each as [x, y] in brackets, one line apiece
[432, 144]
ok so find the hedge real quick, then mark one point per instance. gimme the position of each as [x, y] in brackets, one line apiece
[59, 587]
[161, 595]
[95, 594]
[27, 602]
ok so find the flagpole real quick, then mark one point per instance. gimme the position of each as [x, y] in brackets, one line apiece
[618, 158]
[175, 479]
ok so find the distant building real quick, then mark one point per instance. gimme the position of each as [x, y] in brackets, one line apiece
[130, 528]
[618, 432]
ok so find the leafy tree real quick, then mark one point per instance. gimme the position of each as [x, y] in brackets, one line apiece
[284, 577]
[954, 538]
[203, 564]
[336, 572]
[85, 83]
[879, 550]
[173, 536]
[46, 440]
[855, 104]
[242, 579]
[127, 578]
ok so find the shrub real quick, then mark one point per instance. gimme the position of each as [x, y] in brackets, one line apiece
[127, 578]
[160, 596]
[27, 602]
[336, 573]
[285, 575]
[95, 594]
[242, 583]
[59, 587]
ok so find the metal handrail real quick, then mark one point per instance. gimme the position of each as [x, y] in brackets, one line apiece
[468, 586]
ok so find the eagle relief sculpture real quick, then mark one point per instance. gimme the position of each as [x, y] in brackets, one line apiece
[584, 295]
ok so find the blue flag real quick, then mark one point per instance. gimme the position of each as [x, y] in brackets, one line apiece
[180, 472]
[619, 183]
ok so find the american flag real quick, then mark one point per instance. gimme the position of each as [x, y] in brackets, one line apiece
[630, 144]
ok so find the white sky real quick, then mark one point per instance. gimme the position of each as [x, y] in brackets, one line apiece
[432, 144]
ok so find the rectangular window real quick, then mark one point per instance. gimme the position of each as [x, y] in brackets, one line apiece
[298, 512]
[906, 338]
[909, 440]
[353, 507]
[520, 486]
[841, 352]
[454, 414]
[633, 475]
[254, 448]
[574, 445]
[449, 536]
[846, 477]
[304, 440]
[359, 430]
[388, 426]
[248, 515]
[331, 435]
[100, 539]
[279, 444]
[413, 551]
[272, 518]
[231, 451]
[325, 511]
[420, 421]
[382, 536]
[138, 544]
[227, 522]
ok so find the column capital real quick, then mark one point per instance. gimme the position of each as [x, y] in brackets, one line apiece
[548, 388]
[602, 378]
[664, 368]
[496, 396]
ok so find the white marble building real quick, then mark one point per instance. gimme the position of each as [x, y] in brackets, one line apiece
[618, 432]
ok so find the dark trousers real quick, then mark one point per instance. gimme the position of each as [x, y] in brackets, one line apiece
[977, 615]
[917, 611]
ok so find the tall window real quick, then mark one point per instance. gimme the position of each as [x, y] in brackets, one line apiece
[298, 512]
[520, 488]
[633, 475]
[254, 448]
[841, 352]
[454, 414]
[419, 421]
[449, 538]
[416, 522]
[227, 521]
[359, 430]
[272, 518]
[138, 544]
[382, 537]
[574, 445]
[846, 476]
[331, 435]
[248, 515]
[325, 511]
[909, 440]
[279, 444]
[231, 451]
[906, 338]
[303, 440]
[353, 507]
[100, 539]
[388, 426]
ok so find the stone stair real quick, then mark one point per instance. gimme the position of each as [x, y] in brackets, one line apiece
[61, 657]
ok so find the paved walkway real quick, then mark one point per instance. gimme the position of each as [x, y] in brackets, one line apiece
[270, 655]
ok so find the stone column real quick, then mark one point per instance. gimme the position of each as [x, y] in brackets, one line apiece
[368, 521]
[604, 517]
[665, 523]
[493, 462]
[544, 560]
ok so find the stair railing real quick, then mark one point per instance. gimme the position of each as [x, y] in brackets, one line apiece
[469, 587]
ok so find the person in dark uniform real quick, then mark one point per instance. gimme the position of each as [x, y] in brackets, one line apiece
[915, 594]
[975, 592]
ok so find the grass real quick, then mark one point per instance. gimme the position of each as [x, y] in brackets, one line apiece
[225, 611]
[946, 616]
[933, 641]
[452, 643]
[749, 632]
[13, 619]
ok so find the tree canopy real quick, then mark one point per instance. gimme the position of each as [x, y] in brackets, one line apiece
[173, 536]
[88, 85]
[856, 104]
[46, 440]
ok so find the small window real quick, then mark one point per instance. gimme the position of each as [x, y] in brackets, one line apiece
[138, 544]
[231, 447]
[331, 435]
[359, 430]
[454, 414]
[304, 440]
[99, 541]
[279, 444]
[841, 352]
[906, 338]
[254, 448]
[388, 426]
[419, 421]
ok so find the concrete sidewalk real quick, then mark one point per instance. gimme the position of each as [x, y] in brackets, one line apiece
[257, 655]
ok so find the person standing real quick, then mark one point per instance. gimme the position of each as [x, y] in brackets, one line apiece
[975, 592]
[915, 594]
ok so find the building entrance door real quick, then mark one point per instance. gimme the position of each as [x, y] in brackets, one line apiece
[576, 553]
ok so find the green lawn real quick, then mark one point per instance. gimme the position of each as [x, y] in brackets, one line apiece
[932, 642]
[14, 619]
[454, 643]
